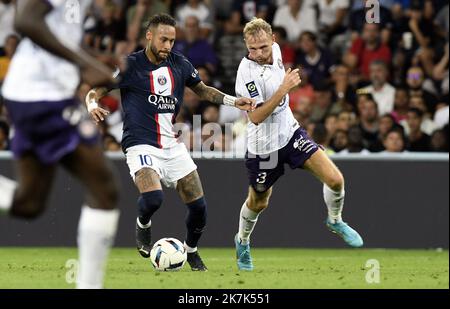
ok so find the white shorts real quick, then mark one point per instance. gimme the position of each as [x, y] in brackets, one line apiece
[171, 164]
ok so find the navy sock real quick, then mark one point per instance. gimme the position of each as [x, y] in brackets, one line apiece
[148, 204]
[195, 221]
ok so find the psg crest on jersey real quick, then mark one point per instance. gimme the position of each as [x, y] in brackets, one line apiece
[162, 80]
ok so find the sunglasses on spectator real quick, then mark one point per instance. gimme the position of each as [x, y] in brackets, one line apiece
[415, 76]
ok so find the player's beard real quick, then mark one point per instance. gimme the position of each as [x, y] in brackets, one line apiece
[158, 54]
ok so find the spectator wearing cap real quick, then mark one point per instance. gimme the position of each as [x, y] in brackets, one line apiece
[418, 140]
[366, 49]
[314, 61]
[381, 90]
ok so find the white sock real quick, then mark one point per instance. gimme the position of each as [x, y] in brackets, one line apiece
[335, 203]
[7, 189]
[96, 231]
[247, 221]
[143, 226]
[189, 249]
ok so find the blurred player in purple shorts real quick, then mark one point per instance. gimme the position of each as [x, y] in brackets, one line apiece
[39, 92]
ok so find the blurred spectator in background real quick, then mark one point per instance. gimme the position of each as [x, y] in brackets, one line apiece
[7, 11]
[342, 91]
[386, 124]
[4, 135]
[401, 104]
[287, 50]
[415, 79]
[394, 141]
[369, 121]
[243, 11]
[330, 123]
[203, 14]
[9, 49]
[418, 140]
[296, 16]
[322, 105]
[332, 22]
[339, 141]
[314, 61]
[197, 50]
[381, 90]
[137, 19]
[345, 120]
[428, 126]
[302, 111]
[366, 49]
[438, 141]
[442, 21]
[191, 106]
[107, 29]
[321, 137]
[355, 142]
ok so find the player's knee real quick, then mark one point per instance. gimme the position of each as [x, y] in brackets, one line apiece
[258, 201]
[336, 181]
[149, 202]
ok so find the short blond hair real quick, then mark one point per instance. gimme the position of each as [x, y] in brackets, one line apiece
[257, 25]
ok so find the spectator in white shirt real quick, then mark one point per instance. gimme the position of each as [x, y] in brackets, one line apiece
[296, 16]
[381, 90]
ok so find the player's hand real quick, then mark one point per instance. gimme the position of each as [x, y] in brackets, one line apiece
[291, 80]
[98, 114]
[245, 104]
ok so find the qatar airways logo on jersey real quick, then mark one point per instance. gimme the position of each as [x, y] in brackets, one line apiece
[163, 102]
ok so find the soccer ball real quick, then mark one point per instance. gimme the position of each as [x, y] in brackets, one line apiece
[168, 254]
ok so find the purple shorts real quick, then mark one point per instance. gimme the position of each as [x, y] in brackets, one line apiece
[50, 130]
[264, 170]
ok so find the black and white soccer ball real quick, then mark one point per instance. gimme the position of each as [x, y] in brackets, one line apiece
[168, 254]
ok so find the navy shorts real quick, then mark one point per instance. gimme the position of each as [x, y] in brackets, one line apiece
[50, 130]
[264, 170]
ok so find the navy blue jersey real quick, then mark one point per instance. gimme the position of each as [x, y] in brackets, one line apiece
[151, 98]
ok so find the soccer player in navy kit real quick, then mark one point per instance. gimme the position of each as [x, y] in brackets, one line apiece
[152, 90]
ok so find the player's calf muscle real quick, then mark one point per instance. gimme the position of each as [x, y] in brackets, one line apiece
[190, 187]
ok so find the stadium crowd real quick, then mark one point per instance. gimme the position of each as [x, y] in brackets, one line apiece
[366, 87]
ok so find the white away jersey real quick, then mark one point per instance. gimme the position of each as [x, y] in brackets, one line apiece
[37, 75]
[260, 82]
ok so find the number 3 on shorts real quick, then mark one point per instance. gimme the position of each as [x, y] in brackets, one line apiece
[261, 177]
[145, 160]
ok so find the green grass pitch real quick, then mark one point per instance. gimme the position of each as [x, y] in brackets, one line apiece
[274, 268]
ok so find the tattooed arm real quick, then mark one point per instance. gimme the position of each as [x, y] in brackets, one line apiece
[215, 96]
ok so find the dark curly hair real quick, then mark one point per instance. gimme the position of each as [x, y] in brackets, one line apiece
[163, 19]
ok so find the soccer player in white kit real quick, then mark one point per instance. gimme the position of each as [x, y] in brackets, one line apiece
[39, 93]
[274, 138]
